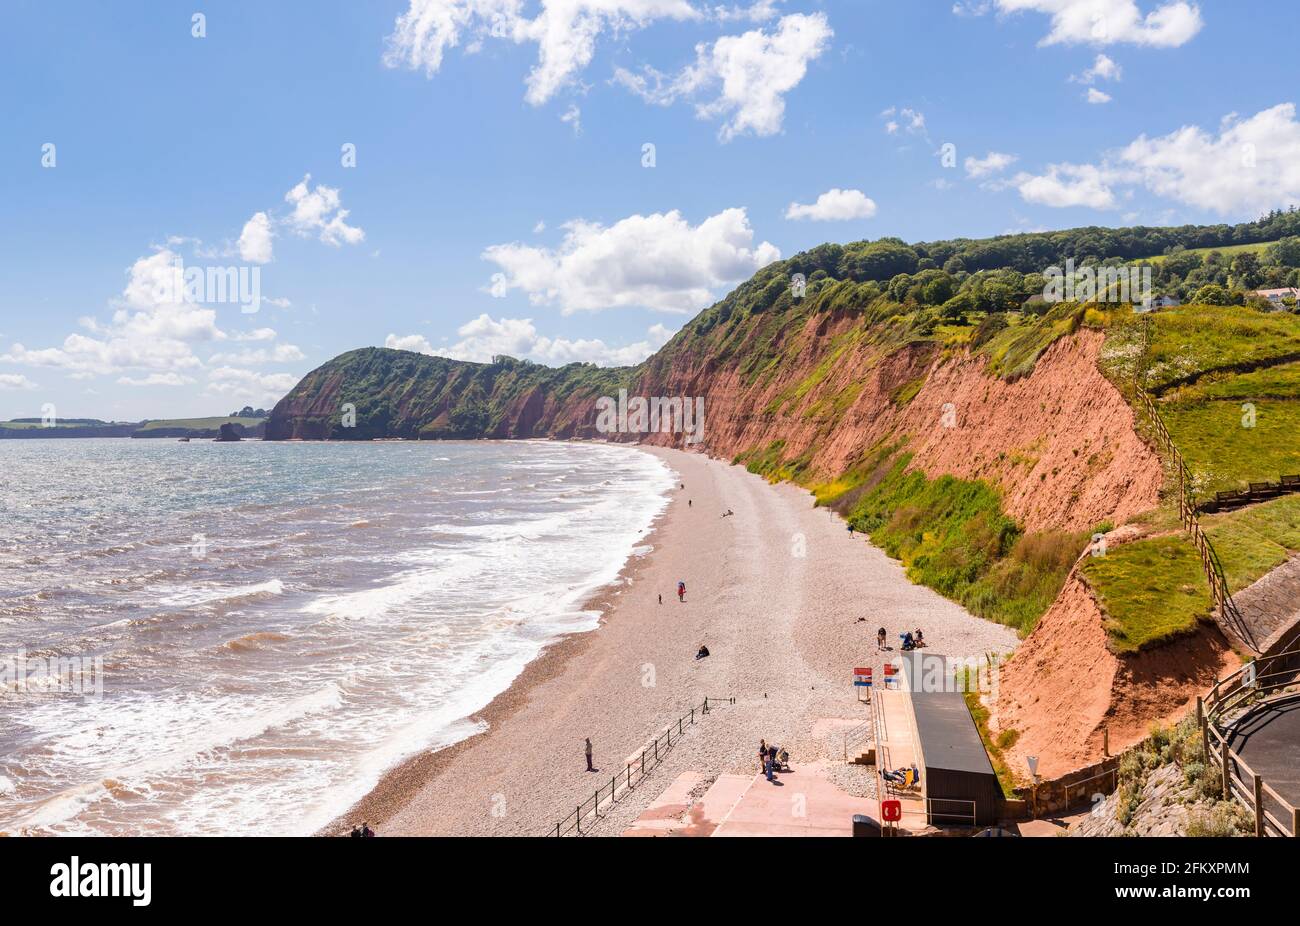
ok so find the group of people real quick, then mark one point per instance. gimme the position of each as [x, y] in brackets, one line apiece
[912, 639]
[769, 759]
[362, 830]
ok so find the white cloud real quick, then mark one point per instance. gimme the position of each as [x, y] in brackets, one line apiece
[1068, 185]
[1249, 166]
[147, 331]
[906, 119]
[1097, 96]
[264, 388]
[565, 32]
[992, 163]
[659, 261]
[573, 118]
[751, 74]
[13, 381]
[834, 206]
[257, 334]
[758, 11]
[281, 353]
[156, 379]
[1103, 68]
[255, 239]
[319, 211]
[1107, 22]
[1252, 165]
[484, 337]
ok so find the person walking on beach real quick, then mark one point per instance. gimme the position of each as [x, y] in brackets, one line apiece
[762, 753]
[590, 767]
[681, 591]
[850, 529]
[661, 598]
[880, 638]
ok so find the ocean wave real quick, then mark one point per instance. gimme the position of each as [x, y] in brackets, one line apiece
[186, 598]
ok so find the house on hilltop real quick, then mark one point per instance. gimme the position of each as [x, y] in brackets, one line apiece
[1278, 296]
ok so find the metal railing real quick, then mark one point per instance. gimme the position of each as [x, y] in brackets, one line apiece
[635, 771]
[1235, 698]
[863, 731]
[1112, 773]
[1229, 614]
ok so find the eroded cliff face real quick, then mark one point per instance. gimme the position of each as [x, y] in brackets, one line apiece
[1059, 443]
[1064, 688]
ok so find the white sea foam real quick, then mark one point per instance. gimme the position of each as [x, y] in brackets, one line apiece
[385, 640]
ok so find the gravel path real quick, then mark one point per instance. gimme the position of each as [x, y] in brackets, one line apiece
[775, 591]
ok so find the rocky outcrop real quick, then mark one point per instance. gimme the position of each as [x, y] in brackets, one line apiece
[228, 434]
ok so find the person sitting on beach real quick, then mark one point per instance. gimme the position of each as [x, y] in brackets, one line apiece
[366, 831]
[908, 642]
[918, 639]
[356, 832]
[703, 652]
[904, 777]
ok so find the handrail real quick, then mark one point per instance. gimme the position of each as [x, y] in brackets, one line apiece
[637, 769]
[1230, 615]
[1241, 782]
[864, 730]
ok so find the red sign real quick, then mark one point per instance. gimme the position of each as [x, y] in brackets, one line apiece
[891, 811]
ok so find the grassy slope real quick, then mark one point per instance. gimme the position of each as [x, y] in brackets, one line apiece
[1229, 251]
[1154, 589]
[200, 424]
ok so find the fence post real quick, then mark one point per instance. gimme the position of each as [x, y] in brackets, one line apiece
[1295, 821]
[1223, 757]
[1259, 805]
[578, 818]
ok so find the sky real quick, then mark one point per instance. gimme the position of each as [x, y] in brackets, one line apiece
[199, 203]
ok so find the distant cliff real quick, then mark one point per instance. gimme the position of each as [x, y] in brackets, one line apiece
[375, 392]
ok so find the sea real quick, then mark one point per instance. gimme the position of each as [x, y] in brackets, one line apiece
[241, 638]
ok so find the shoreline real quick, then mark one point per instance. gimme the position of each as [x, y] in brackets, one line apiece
[398, 785]
[785, 626]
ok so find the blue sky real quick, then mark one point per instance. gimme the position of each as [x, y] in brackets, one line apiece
[499, 200]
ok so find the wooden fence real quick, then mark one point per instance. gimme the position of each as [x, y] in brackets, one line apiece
[1263, 683]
